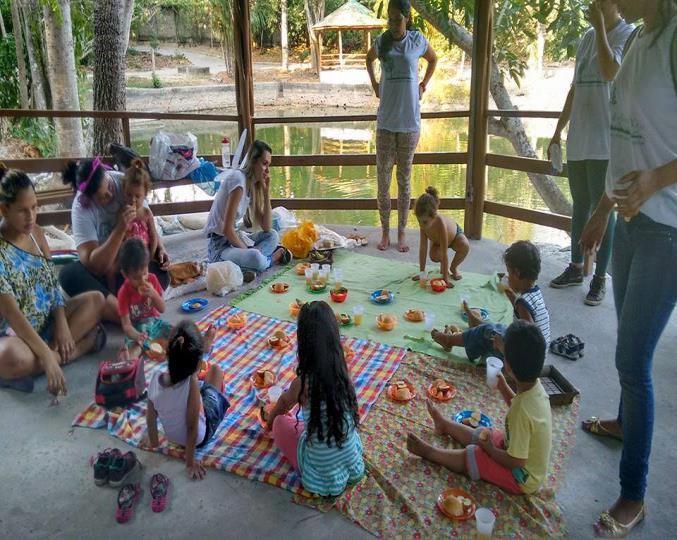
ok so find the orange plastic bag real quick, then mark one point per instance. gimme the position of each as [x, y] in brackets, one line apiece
[301, 239]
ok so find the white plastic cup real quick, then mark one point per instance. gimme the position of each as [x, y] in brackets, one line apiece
[338, 277]
[494, 367]
[484, 519]
[326, 268]
[429, 321]
[358, 314]
[274, 393]
[309, 275]
[315, 270]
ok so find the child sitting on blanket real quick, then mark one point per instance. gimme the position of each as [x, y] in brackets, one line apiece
[325, 446]
[523, 262]
[189, 415]
[443, 233]
[140, 299]
[516, 461]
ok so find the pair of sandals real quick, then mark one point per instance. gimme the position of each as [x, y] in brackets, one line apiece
[569, 346]
[130, 494]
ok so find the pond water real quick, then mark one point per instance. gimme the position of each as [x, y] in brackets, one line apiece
[439, 135]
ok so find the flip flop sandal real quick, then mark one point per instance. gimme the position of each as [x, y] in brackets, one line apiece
[578, 343]
[565, 347]
[128, 496]
[101, 338]
[286, 255]
[594, 426]
[159, 488]
[609, 527]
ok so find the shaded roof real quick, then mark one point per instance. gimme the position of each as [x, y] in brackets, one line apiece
[350, 16]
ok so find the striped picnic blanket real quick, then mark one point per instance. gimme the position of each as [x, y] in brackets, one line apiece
[240, 445]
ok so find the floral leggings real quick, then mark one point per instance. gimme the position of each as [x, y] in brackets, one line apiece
[391, 148]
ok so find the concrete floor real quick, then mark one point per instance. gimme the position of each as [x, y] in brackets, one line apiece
[46, 482]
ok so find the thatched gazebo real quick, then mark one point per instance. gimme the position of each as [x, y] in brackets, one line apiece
[350, 16]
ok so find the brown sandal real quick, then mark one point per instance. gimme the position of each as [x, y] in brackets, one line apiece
[594, 426]
[609, 527]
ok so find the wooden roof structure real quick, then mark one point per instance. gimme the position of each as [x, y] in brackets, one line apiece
[350, 16]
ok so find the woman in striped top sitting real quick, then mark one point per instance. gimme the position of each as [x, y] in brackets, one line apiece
[324, 447]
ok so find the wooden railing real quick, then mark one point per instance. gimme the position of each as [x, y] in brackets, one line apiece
[514, 163]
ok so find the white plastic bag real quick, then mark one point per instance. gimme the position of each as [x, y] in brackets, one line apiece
[172, 155]
[285, 218]
[223, 277]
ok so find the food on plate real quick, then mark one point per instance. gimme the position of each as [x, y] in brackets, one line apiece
[344, 318]
[348, 353]
[442, 389]
[264, 377]
[301, 268]
[156, 348]
[438, 284]
[386, 321]
[454, 505]
[327, 243]
[359, 239]
[400, 390]
[317, 285]
[295, 307]
[196, 305]
[415, 315]
[384, 296]
[278, 339]
[473, 420]
[279, 287]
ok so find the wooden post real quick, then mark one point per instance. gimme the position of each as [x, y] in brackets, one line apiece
[478, 122]
[243, 68]
[126, 132]
[340, 50]
[319, 53]
[368, 40]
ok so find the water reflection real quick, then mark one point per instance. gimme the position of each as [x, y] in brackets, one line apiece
[437, 135]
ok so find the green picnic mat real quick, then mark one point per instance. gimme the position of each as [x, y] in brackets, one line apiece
[362, 274]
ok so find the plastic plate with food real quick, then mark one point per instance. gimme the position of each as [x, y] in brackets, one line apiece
[156, 350]
[301, 268]
[194, 305]
[317, 287]
[414, 315]
[339, 294]
[441, 390]
[237, 321]
[483, 313]
[279, 287]
[344, 319]
[401, 391]
[456, 503]
[473, 419]
[262, 378]
[382, 296]
[386, 321]
[279, 340]
[295, 307]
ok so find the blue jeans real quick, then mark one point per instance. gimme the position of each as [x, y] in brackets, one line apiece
[479, 340]
[256, 258]
[645, 291]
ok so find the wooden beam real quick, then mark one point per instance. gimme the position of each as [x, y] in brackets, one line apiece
[349, 118]
[547, 219]
[517, 163]
[506, 113]
[243, 68]
[340, 44]
[132, 115]
[478, 125]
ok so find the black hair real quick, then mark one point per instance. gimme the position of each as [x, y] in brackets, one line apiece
[524, 257]
[524, 350]
[386, 42]
[12, 182]
[428, 203]
[323, 372]
[184, 351]
[133, 256]
[77, 172]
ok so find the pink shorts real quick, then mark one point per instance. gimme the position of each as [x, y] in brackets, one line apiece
[481, 466]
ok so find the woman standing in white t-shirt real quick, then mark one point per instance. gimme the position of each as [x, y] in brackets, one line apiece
[587, 111]
[398, 122]
[243, 202]
[642, 183]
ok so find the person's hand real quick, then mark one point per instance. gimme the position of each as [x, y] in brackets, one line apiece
[162, 258]
[196, 471]
[56, 382]
[556, 140]
[63, 341]
[638, 187]
[484, 441]
[497, 341]
[141, 338]
[512, 295]
[593, 232]
[377, 92]
[595, 16]
[126, 215]
[421, 89]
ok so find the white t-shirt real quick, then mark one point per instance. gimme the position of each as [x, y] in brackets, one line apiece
[588, 136]
[171, 404]
[399, 108]
[94, 223]
[644, 118]
[230, 179]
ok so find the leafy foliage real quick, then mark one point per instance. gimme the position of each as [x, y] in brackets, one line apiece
[9, 82]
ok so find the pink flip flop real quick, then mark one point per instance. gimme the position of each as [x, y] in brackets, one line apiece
[159, 489]
[128, 496]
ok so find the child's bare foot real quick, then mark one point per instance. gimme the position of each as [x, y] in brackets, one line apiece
[474, 316]
[417, 446]
[455, 274]
[402, 246]
[385, 242]
[209, 336]
[438, 419]
[442, 339]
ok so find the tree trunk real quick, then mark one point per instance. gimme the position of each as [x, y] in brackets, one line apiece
[284, 40]
[314, 14]
[127, 14]
[20, 58]
[510, 128]
[38, 83]
[63, 78]
[3, 32]
[109, 71]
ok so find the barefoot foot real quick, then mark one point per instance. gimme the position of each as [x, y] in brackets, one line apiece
[209, 336]
[402, 246]
[455, 274]
[441, 339]
[385, 242]
[474, 316]
[418, 447]
[439, 422]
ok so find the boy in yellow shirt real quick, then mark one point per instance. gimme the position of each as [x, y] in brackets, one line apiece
[516, 461]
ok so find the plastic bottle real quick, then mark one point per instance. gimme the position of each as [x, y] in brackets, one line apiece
[225, 153]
